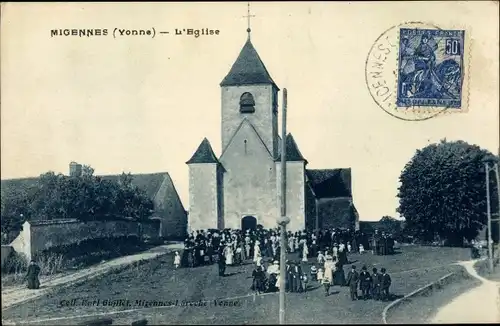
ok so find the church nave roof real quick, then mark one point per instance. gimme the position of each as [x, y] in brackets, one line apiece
[330, 183]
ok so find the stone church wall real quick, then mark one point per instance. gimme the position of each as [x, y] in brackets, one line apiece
[203, 198]
[249, 180]
[295, 195]
[312, 220]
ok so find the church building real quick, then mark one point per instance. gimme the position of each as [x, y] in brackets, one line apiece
[240, 188]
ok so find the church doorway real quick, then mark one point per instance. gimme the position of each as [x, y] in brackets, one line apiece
[248, 223]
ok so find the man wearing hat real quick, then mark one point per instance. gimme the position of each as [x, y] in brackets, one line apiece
[376, 279]
[365, 281]
[385, 284]
[352, 281]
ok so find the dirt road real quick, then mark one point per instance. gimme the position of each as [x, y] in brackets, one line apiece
[479, 305]
[18, 294]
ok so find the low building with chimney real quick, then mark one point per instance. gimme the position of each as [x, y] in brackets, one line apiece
[159, 187]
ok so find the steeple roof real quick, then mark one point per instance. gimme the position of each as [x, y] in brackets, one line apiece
[248, 69]
[204, 154]
[292, 151]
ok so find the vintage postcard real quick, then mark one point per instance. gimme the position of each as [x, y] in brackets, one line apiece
[250, 162]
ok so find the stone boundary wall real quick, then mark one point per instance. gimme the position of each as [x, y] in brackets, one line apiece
[37, 236]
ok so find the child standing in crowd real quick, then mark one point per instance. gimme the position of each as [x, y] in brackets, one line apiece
[177, 260]
[321, 258]
[304, 282]
[361, 249]
[320, 275]
[314, 273]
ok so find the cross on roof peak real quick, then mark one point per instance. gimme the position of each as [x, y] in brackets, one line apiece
[248, 16]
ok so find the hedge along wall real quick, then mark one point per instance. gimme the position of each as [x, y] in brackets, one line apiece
[37, 236]
[6, 251]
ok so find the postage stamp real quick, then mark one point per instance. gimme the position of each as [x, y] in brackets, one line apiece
[416, 71]
[430, 67]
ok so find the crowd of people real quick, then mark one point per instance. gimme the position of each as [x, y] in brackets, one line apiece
[328, 248]
[330, 272]
[205, 246]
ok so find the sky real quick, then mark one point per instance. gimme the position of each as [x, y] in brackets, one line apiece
[141, 104]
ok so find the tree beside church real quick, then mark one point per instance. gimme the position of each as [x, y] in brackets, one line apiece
[443, 192]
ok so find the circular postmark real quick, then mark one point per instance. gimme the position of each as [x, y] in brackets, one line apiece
[382, 71]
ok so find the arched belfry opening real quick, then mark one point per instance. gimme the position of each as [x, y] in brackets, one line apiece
[248, 223]
[247, 103]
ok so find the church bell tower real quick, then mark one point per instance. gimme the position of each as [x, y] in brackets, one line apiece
[249, 92]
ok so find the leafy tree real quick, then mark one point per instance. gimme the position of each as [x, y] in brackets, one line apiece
[133, 200]
[390, 225]
[443, 194]
[15, 209]
[366, 227]
[87, 197]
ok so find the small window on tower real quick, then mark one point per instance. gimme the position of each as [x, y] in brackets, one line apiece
[247, 103]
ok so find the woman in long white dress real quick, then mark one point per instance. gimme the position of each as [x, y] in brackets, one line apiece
[256, 252]
[305, 252]
[247, 246]
[229, 254]
[328, 274]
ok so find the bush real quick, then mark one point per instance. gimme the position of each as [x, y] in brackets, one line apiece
[16, 263]
[14, 269]
[93, 251]
[16, 266]
[50, 263]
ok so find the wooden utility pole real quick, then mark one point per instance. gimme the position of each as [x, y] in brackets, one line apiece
[488, 211]
[283, 221]
[495, 169]
[497, 172]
